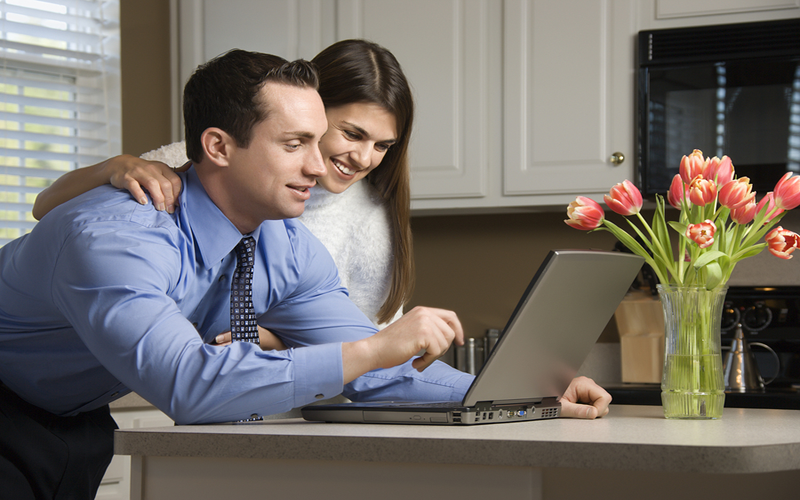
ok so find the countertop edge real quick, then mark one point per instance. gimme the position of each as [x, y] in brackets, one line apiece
[601, 456]
[466, 448]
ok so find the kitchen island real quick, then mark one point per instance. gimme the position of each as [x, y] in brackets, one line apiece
[632, 453]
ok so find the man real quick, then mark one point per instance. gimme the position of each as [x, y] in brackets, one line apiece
[106, 296]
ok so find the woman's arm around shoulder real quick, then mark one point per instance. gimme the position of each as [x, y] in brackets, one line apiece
[124, 172]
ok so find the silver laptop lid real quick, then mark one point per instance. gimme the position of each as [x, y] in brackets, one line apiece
[556, 323]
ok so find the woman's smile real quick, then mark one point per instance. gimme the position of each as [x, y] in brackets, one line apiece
[358, 137]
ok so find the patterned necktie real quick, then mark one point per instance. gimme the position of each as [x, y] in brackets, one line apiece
[243, 316]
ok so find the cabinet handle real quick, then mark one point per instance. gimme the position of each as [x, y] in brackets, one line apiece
[617, 158]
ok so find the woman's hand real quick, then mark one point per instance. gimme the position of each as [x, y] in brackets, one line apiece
[124, 171]
[137, 175]
[266, 339]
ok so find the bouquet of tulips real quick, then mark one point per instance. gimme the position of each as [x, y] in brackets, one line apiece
[720, 222]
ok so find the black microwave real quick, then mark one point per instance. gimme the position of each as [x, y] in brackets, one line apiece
[727, 90]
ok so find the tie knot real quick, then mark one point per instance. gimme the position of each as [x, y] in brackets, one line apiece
[244, 251]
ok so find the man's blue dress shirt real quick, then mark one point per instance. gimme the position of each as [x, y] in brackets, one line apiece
[106, 296]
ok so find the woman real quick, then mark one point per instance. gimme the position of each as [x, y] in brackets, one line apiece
[364, 225]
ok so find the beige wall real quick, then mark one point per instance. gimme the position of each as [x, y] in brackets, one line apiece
[479, 265]
[145, 75]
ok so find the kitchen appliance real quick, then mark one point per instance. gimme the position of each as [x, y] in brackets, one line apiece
[725, 89]
[769, 316]
[740, 370]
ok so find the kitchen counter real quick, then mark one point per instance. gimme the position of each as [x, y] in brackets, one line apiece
[288, 455]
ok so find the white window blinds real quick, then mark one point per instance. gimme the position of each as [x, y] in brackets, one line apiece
[59, 97]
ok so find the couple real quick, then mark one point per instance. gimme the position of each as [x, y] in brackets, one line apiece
[107, 295]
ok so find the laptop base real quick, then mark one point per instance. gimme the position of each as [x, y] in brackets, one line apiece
[447, 413]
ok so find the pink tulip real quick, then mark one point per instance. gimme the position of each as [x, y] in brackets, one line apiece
[676, 192]
[702, 191]
[719, 171]
[692, 166]
[585, 214]
[736, 193]
[769, 201]
[624, 198]
[744, 214]
[702, 233]
[782, 242]
[787, 192]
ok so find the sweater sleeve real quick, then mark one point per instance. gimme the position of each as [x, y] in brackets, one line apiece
[173, 154]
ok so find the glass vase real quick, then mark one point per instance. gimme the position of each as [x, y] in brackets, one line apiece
[692, 385]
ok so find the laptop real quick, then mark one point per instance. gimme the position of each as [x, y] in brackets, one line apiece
[556, 323]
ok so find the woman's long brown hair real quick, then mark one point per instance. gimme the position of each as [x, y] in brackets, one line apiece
[354, 71]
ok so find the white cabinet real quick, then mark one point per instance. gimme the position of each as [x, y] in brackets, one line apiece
[116, 482]
[449, 50]
[520, 103]
[569, 93]
[444, 47]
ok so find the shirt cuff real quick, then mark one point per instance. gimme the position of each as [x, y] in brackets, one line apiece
[318, 373]
[462, 385]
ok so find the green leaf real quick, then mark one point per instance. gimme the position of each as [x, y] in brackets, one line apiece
[750, 252]
[714, 275]
[660, 228]
[626, 239]
[679, 227]
[708, 257]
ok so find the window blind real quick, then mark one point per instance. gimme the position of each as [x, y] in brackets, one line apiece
[59, 97]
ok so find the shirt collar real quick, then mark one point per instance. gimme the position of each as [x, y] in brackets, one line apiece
[214, 234]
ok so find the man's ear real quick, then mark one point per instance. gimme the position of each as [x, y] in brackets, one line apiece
[217, 146]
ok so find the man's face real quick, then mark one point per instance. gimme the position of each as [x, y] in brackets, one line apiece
[273, 174]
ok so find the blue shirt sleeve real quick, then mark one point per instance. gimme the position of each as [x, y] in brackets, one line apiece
[119, 305]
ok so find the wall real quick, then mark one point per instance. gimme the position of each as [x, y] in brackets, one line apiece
[479, 265]
[145, 49]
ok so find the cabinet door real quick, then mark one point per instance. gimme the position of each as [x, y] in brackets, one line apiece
[569, 94]
[443, 47]
[288, 28]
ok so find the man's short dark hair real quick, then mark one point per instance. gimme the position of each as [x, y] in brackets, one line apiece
[223, 93]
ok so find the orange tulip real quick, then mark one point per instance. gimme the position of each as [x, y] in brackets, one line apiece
[585, 214]
[692, 166]
[769, 201]
[702, 191]
[676, 192]
[702, 233]
[736, 193]
[744, 214]
[624, 198]
[787, 192]
[782, 242]
[719, 170]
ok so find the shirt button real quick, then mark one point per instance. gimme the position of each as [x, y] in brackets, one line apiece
[222, 278]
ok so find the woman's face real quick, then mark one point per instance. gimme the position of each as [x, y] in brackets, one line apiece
[358, 137]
